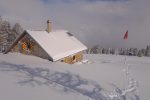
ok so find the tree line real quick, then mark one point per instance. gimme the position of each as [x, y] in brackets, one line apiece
[120, 51]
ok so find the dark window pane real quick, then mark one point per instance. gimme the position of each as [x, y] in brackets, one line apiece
[69, 34]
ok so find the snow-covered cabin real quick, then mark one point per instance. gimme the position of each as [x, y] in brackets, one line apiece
[59, 45]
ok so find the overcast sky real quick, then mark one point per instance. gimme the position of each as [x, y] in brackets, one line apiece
[94, 22]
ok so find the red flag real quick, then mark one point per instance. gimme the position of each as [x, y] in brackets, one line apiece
[126, 35]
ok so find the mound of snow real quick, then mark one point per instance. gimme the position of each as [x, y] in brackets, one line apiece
[101, 77]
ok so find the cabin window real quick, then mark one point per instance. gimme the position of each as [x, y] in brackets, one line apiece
[24, 46]
[69, 34]
[74, 58]
[28, 45]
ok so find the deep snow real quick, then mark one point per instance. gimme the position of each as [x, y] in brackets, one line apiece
[103, 77]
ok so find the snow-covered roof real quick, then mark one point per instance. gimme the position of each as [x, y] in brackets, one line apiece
[57, 44]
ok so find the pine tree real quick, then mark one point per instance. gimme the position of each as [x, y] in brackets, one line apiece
[140, 53]
[17, 29]
[148, 50]
[8, 34]
[135, 51]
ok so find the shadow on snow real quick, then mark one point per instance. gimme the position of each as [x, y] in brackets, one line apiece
[67, 81]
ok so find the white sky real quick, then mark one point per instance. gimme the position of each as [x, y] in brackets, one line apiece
[94, 22]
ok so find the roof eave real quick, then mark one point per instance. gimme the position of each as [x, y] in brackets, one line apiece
[57, 59]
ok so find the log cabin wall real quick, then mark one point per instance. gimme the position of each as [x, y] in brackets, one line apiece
[73, 58]
[28, 46]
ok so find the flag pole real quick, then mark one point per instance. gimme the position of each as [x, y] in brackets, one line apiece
[125, 38]
[125, 59]
[131, 82]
